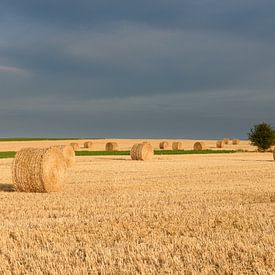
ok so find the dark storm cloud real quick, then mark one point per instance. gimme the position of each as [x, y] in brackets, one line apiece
[92, 55]
[251, 15]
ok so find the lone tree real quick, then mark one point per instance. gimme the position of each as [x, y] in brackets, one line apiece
[262, 136]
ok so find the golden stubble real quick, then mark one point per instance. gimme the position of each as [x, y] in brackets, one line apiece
[208, 214]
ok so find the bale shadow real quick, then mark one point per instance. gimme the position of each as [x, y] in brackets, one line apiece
[7, 187]
[99, 158]
[118, 159]
[258, 160]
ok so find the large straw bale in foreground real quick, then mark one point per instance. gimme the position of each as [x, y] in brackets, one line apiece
[198, 146]
[133, 151]
[220, 143]
[68, 154]
[111, 146]
[75, 145]
[88, 144]
[163, 145]
[235, 141]
[177, 145]
[143, 151]
[39, 170]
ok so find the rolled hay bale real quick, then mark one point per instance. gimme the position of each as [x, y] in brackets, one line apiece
[39, 170]
[220, 144]
[164, 145]
[235, 141]
[226, 141]
[111, 146]
[177, 145]
[88, 144]
[133, 151]
[143, 151]
[68, 154]
[75, 145]
[198, 146]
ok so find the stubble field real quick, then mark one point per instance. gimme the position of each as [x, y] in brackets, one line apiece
[211, 214]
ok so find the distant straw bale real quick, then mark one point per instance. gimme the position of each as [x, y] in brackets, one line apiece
[177, 145]
[111, 146]
[164, 145]
[235, 141]
[143, 151]
[220, 144]
[39, 170]
[75, 145]
[88, 144]
[226, 141]
[274, 153]
[198, 146]
[68, 154]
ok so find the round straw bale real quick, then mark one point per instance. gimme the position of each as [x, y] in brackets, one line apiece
[235, 141]
[274, 153]
[68, 154]
[226, 140]
[111, 146]
[75, 145]
[88, 144]
[220, 143]
[198, 146]
[39, 170]
[177, 145]
[163, 145]
[143, 151]
[133, 151]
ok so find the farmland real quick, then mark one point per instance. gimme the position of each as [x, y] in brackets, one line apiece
[191, 213]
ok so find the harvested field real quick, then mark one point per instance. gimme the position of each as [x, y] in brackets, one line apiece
[124, 144]
[181, 213]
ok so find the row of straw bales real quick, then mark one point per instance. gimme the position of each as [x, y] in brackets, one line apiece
[234, 141]
[226, 141]
[113, 146]
[110, 146]
[177, 145]
[164, 145]
[43, 170]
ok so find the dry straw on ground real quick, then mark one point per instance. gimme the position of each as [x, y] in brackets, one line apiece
[198, 146]
[68, 154]
[143, 151]
[235, 141]
[88, 144]
[177, 145]
[164, 145]
[111, 146]
[178, 214]
[75, 145]
[220, 143]
[39, 170]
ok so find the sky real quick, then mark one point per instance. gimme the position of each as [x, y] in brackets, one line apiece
[146, 69]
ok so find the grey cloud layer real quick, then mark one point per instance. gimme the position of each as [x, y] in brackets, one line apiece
[173, 116]
[99, 57]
